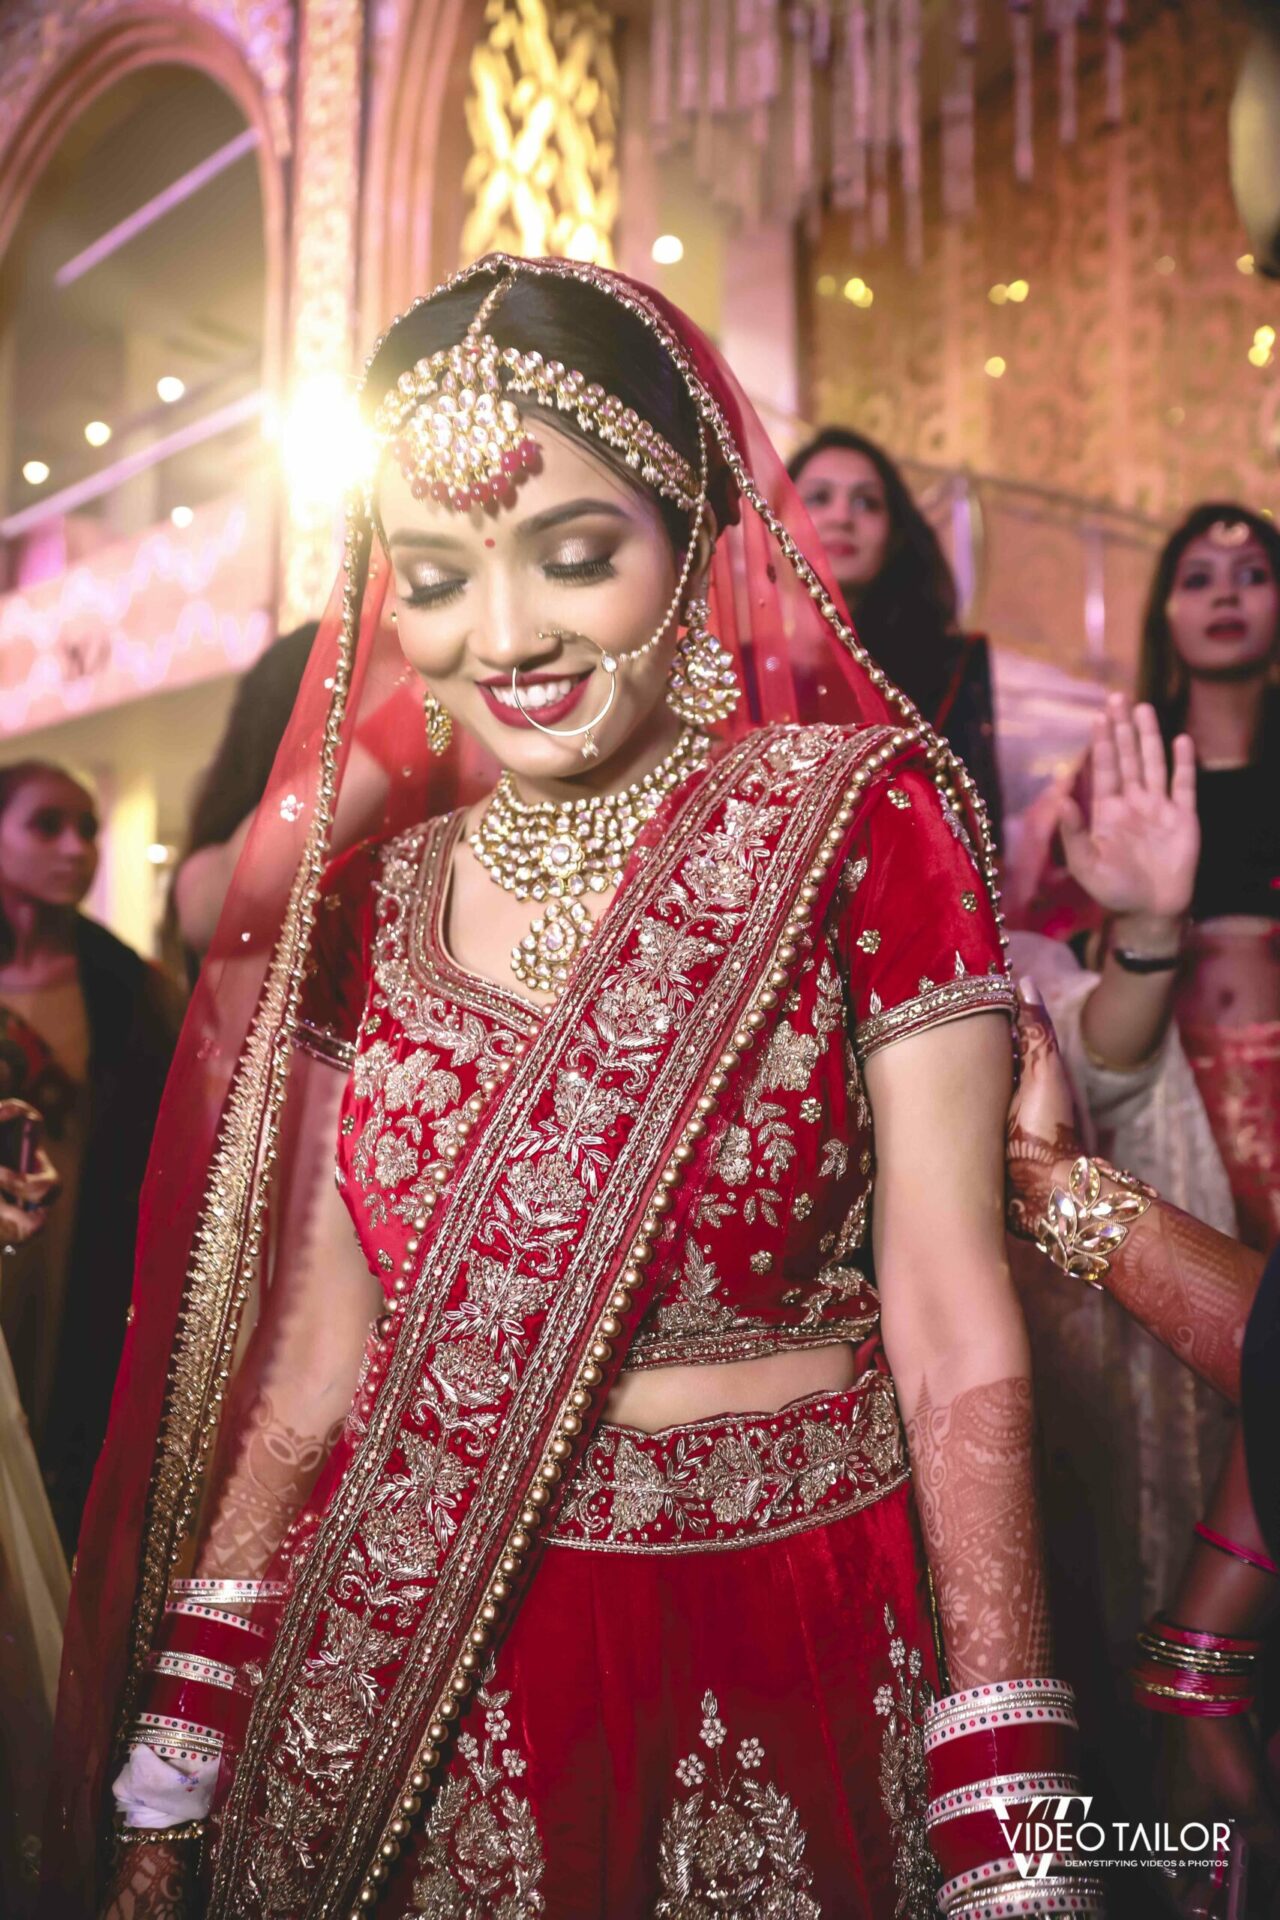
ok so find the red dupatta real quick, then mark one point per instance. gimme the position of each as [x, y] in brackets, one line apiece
[553, 1228]
[220, 1139]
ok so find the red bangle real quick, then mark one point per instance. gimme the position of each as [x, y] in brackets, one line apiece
[1197, 1695]
[993, 1751]
[965, 1828]
[1201, 1641]
[1249, 1555]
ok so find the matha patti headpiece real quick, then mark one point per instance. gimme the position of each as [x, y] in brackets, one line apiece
[459, 438]
[1230, 533]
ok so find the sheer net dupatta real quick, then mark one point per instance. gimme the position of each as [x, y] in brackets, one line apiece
[225, 1143]
[202, 1227]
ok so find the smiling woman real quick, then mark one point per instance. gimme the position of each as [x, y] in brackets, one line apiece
[1210, 666]
[560, 1489]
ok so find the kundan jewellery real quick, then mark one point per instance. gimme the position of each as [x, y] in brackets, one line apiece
[439, 724]
[459, 437]
[1083, 1226]
[702, 686]
[557, 850]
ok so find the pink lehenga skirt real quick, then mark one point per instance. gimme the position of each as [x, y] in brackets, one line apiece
[1238, 1072]
[709, 1703]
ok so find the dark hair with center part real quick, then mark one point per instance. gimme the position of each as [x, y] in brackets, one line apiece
[582, 327]
[13, 778]
[907, 614]
[1162, 676]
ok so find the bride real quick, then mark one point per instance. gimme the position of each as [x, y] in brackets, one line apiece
[602, 1491]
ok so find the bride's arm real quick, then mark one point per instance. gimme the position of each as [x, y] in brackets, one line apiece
[299, 1373]
[285, 1408]
[955, 1340]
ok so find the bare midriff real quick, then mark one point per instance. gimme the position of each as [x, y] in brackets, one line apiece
[1231, 972]
[657, 1397]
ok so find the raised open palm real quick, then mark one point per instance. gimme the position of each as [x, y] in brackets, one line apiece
[1137, 852]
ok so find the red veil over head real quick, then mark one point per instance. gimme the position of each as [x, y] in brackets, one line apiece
[201, 1266]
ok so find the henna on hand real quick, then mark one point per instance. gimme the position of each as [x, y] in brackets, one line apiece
[972, 1466]
[1191, 1287]
[266, 1484]
[151, 1881]
[1041, 1135]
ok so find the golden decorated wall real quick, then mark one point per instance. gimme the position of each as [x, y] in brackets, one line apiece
[1127, 378]
[1127, 371]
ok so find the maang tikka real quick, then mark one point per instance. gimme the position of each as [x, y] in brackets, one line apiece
[458, 436]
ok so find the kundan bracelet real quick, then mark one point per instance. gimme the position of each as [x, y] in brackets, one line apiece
[1083, 1227]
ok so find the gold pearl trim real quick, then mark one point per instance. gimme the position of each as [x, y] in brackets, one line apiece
[774, 974]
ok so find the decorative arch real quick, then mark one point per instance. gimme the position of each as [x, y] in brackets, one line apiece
[416, 154]
[143, 36]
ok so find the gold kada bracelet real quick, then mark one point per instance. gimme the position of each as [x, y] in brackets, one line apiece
[1083, 1227]
[166, 1836]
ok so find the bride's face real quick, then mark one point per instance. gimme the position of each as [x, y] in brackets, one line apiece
[578, 564]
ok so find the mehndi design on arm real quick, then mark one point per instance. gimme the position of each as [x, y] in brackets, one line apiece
[266, 1484]
[972, 1465]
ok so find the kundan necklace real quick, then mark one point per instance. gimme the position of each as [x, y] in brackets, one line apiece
[557, 850]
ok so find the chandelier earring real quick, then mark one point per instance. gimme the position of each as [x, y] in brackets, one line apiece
[702, 686]
[439, 724]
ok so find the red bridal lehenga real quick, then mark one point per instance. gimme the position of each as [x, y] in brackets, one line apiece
[512, 1660]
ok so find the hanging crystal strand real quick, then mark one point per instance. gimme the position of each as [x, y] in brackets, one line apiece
[841, 140]
[1114, 112]
[881, 117]
[909, 126]
[801, 110]
[966, 107]
[1022, 29]
[660, 74]
[689, 57]
[719, 42]
[1065, 15]
[768, 68]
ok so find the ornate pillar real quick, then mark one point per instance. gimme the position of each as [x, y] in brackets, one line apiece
[318, 429]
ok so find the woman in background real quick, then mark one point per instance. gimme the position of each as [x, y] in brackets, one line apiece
[896, 582]
[1208, 665]
[33, 1571]
[102, 1022]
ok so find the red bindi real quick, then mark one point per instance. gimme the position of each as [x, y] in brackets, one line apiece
[491, 543]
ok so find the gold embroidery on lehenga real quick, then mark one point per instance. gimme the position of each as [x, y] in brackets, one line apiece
[482, 1856]
[453, 1383]
[721, 1483]
[904, 1788]
[734, 1846]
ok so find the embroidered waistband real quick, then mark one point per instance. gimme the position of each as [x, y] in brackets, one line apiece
[738, 1478]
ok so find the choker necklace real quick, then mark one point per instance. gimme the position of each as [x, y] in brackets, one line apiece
[557, 850]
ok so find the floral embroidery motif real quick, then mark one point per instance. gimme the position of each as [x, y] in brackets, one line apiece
[855, 872]
[482, 1856]
[735, 1846]
[899, 797]
[969, 900]
[904, 1788]
[869, 940]
[720, 1483]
